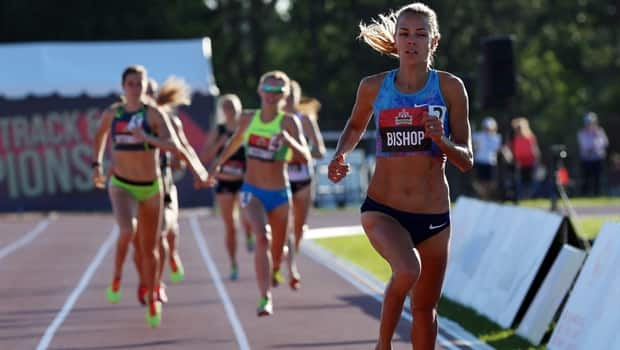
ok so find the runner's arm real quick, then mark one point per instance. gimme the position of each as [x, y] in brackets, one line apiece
[458, 148]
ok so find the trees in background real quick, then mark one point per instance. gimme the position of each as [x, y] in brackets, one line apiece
[567, 53]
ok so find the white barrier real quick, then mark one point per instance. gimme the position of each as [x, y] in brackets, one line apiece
[551, 294]
[466, 245]
[496, 251]
[591, 316]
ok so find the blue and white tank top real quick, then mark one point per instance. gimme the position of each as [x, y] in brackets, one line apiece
[399, 121]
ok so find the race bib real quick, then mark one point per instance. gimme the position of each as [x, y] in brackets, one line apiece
[402, 130]
[262, 147]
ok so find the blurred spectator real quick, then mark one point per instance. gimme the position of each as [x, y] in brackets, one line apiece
[592, 150]
[487, 143]
[614, 174]
[526, 155]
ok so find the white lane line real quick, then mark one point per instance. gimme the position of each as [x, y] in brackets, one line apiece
[29, 237]
[75, 294]
[242, 339]
[336, 231]
[359, 279]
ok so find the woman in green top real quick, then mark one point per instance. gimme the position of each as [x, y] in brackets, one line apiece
[271, 136]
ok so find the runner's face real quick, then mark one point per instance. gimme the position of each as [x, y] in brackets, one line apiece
[229, 111]
[272, 91]
[134, 86]
[413, 40]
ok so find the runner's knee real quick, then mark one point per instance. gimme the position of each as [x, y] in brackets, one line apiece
[424, 313]
[125, 238]
[405, 279]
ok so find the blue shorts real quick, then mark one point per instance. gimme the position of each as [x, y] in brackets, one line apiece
[270, 199]
[420, 226]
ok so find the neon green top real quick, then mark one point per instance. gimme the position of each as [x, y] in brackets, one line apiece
[263, 140]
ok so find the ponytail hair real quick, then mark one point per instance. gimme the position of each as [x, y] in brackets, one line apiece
[173, 92]
[310, 106]
[380, 33]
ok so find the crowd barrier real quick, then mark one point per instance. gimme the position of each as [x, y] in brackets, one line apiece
[514, 265]
[591, 316]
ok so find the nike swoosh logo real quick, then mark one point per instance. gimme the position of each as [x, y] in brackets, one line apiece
[432, 227]
[417, 105]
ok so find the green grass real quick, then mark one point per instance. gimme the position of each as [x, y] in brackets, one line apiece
[588, 226]
[576, 202]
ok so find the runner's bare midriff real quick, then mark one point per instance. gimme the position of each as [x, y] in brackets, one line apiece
[136, 165]
[414, 184]
[265, 174]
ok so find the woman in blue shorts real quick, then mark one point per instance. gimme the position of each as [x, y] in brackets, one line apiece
[270, 136]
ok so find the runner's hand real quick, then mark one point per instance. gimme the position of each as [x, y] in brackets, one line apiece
[337, 168]
[139, 134]
[433, 128]
[212, 179]
[98, 178]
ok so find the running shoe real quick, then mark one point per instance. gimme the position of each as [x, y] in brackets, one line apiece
[153, 314]
[142, 294]
[277, 278]
[294, 282]
[113, 292]
[250, 243]
[162, 296]
[265, 307]
[177, 272]
[234, 272]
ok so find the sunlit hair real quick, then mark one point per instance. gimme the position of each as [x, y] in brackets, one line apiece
[173, 92]
[278, 75]
[228, 98]
[522, 124]
[152, 87]
[295, 92]
[380, 33]
[134, 69]
[310, 106]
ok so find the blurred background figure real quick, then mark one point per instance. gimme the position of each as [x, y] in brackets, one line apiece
[593, 144]
[487, 143]
[230, 178]
[526, 156]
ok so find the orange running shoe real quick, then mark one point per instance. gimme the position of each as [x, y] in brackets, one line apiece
[142, 294]
[294, 282]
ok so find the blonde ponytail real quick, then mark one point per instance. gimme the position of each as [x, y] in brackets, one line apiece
[173, 92]
[379, 34]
